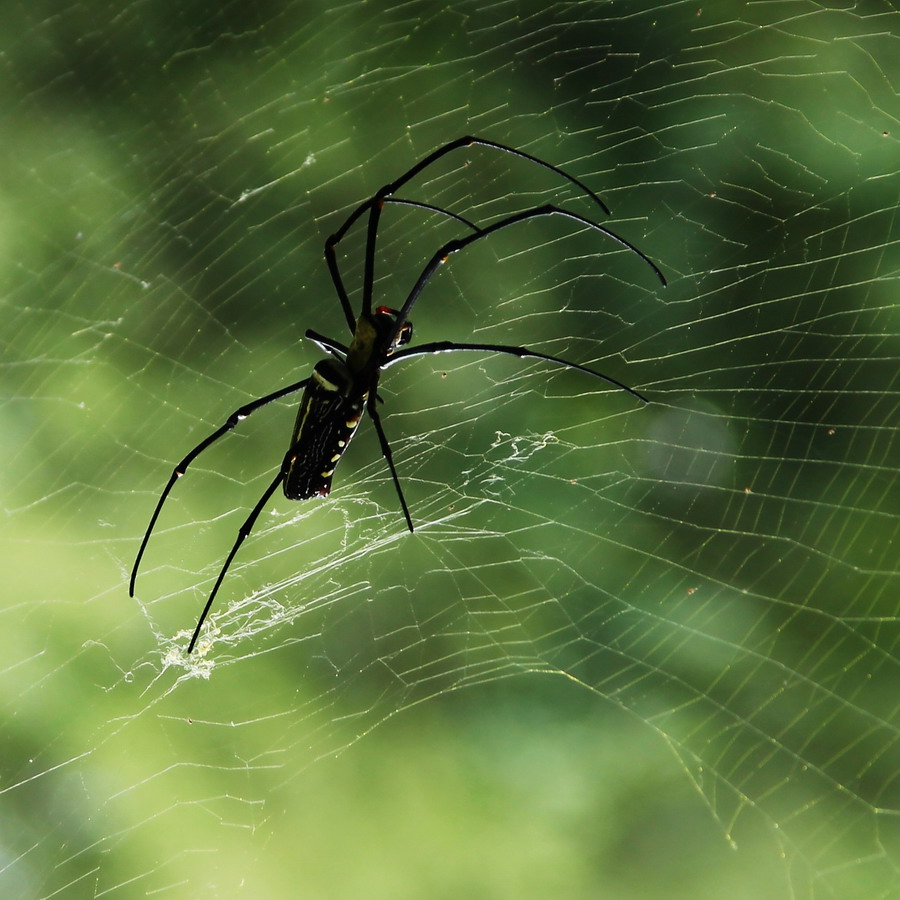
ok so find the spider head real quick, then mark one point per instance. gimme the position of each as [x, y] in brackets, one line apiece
[375, 339]
[386, 322]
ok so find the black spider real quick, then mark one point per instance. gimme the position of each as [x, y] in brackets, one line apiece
[344, 386]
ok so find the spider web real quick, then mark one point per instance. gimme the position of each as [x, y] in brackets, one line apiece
[629, 651]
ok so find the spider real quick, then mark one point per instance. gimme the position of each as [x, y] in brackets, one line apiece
[344, 386]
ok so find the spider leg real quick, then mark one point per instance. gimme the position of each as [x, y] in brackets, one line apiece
[334, 269]
[435, 155]
[521, 352]
[375, 203]
[335, 348]
[389, 457]
[179, 470]
[338, 282]
[439, 209]
[375, 209]
[243, 531]
[468, 141]
[369, 261]
[443, 254]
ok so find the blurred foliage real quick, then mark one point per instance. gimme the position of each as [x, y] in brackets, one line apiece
[629, 652]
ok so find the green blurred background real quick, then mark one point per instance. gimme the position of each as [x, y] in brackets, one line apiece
[629, 652]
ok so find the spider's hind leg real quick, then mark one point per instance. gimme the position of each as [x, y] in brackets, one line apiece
[242, 534]
[238, 415]
[388, 457]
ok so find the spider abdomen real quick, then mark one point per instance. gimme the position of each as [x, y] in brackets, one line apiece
[327, 419]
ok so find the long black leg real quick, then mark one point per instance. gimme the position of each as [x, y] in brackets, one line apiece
[335, 348]
[243, 531]
[384, 195]
[397, 201]
[389, 458]
[375, 210]
[181, 468]
[435, 155]
[334, 269]
[468, 141]
[455, 246]
[521, 352]
[338, 282]
[369, 262]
